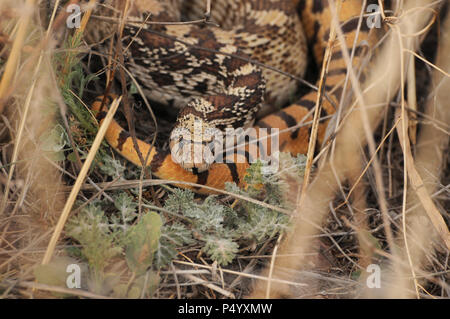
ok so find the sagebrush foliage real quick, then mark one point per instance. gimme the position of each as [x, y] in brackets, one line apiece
[216, 227]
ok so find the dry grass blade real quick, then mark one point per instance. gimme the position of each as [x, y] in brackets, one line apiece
[380, 86]
[14, 57]
[5, 83]
[82, 175]
[209, 285]
[412, 100]
[311, 146]
[419, 187]
[154, 182]
[423, 171]
[61, 290]
[317, 109]
[242, 274]
[79, 33]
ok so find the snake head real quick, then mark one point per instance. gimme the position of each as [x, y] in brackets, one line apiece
[194, 143]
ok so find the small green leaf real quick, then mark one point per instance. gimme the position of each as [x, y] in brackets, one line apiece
[120, 291]
[54, 140]
[56, 274]
[356, 274]
[133, 89]
[134, 292]
[143, 240]
[91, 230]
[222, 250]
[72, 157]
[172, 236]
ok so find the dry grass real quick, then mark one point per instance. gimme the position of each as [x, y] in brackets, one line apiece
[377, 197]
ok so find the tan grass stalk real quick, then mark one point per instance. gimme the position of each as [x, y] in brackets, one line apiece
[61, 290]
[406, 156]
[78, 34]
[311, 146]
[81, 176]
[424, 223]
[318, 107]
[383, 83]
[14, 57]
[238, 273]
[412, 99]
[211, 286]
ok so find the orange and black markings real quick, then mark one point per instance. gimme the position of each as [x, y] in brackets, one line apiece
[228, 91]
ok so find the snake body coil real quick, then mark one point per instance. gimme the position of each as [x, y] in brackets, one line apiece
[208, 72]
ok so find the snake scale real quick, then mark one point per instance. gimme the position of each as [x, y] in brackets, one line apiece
[179, 66]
